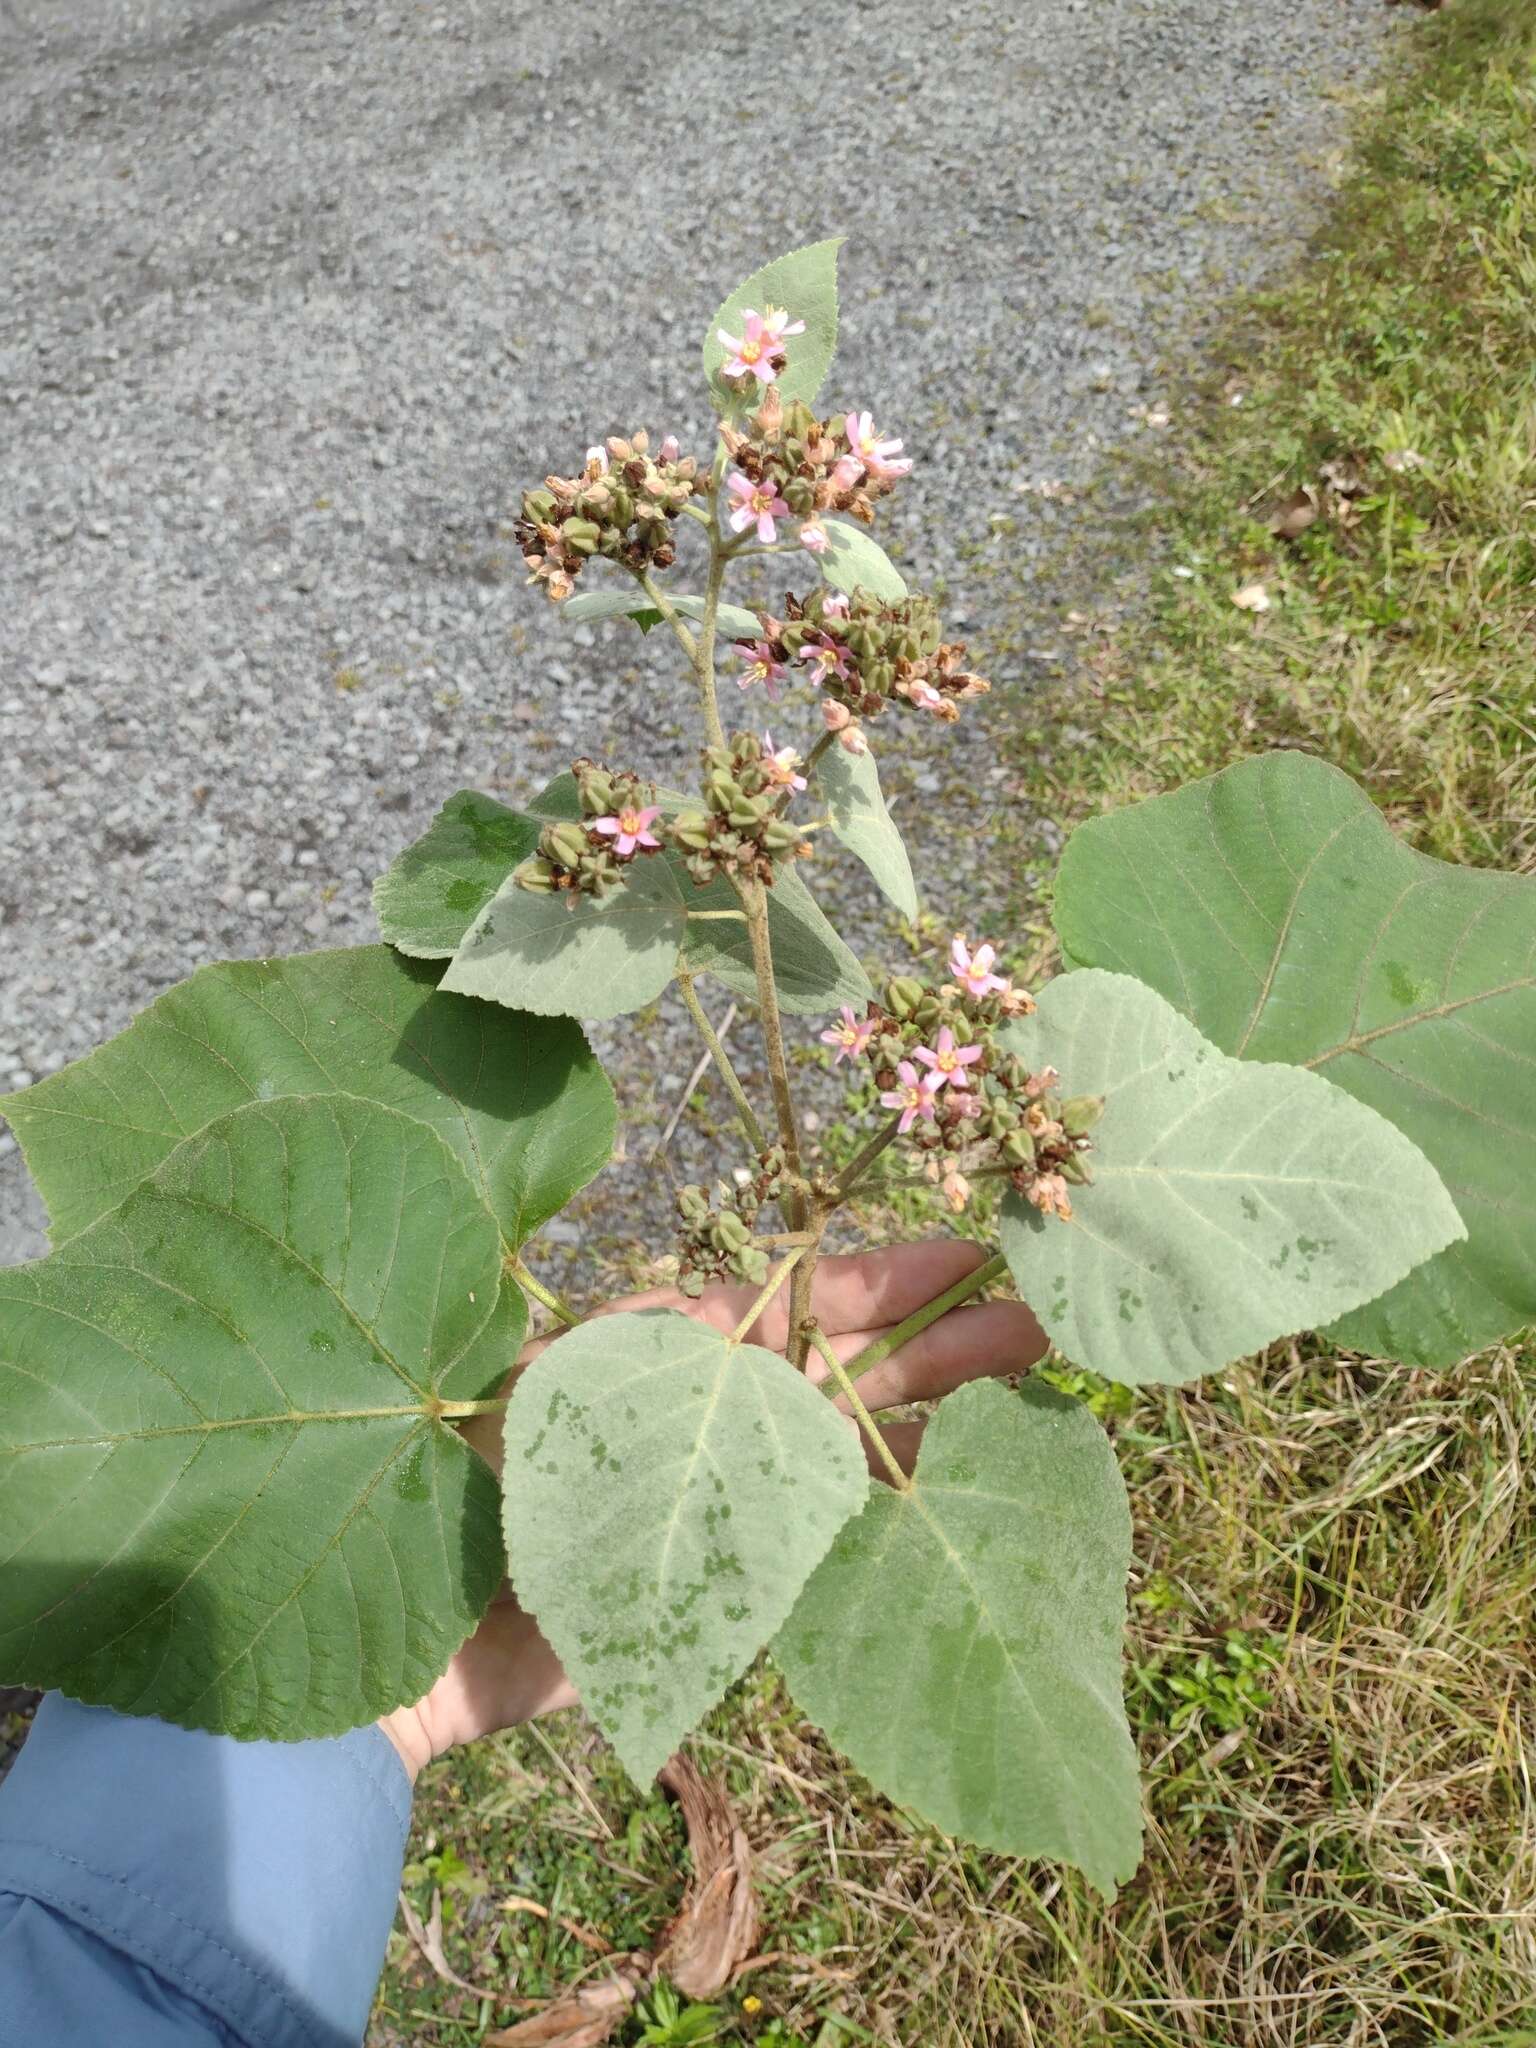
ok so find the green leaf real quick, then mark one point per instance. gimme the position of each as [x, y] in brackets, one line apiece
[732, 621]
[961, 1641]
[568, 955]
[224, 1495]
[1231, 1203]
[855, 562]
[804, 283]
[1274, 905]
[813, 970]
[851, 785]
[431, 895]
[667, 1493]
[521, 1100]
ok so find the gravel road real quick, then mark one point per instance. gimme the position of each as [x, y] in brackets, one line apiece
[299, 292]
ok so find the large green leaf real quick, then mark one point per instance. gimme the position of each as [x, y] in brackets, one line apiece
[961, 1641]
[804, 283]
[569, 955]
[1231, 1203]
[813, 970]
[667, 1493]
[732, 621]
[851, 785]
[1273, 904]
[852, 561]
[520, 1099]
[431, 895]
[226, 1496]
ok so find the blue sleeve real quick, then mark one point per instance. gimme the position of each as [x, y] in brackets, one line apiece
[165, 1889]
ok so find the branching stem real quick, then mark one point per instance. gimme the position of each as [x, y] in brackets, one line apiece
[768, 1290]
[849, 1179]
[866, 1421]
[756, 1136]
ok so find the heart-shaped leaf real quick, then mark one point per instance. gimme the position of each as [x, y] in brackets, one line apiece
[813, 970]
[1231, 1203]
[439, 886]
[961, 1641]
[1273, 904]
[852, 561]
[520, 1099]
[226, 1493]
[804, 284]
[567, 955]
[851, 785]
[667, 1493]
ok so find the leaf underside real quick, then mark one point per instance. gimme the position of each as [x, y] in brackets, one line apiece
[521, 1100]
[1273, 905]
[961, 1641]
[1231, 1203]
[852, 561]
[732, 621]
[667, 1494]
[851, 785]
[233, 1373]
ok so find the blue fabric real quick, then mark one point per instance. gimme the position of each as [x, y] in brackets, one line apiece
[166, 1889]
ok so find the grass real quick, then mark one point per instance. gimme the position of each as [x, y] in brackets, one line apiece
[1330, 1671]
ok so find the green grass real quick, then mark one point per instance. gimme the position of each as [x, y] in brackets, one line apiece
[1331, 1669]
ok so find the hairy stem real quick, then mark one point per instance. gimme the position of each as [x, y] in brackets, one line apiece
[754, 898]
[866, 1421]
[827, 739]
[849, 1179]
[767, 1291]
[756, 1136]
[559, 1308]
[668, 611]
[797, 1350]
[460, 1411]
[872, 1354]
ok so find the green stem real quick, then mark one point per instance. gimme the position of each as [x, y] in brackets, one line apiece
[756, 1136]
[866, 1421]
[766, 1293]
[456, 1411]
[827, 739]
[874, 1354]
[755, 902]
[673, 617]
[558, 1308]
[848, 1180]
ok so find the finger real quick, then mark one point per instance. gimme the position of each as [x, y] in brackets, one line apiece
[968, 1344]
[870, 1290]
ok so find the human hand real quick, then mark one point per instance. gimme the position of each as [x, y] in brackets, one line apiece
[507, 1673]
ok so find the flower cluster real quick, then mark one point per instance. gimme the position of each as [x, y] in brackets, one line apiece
[960, 1097]
[621, 507]
[748, 787]
[590, 855]
[791, 465]
[861, 653]
[716, 1238]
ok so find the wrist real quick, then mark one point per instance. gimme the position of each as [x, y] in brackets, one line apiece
[407, 1731]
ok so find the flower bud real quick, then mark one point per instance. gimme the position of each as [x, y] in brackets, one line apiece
[903, 995]
[1072, 1168]
[566, 844]
[751, 1262]
[730, 1231]
[596, 786]
[851, 739]
[691, 828]
[670, 449]
[779, 835]
[1017, 1149]
[535, 874]
[1079, 1114]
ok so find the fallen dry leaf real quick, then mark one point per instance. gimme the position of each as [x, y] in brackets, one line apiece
[1343, 478]
[1299, 511]
[715, 1928]
[1253, 597]
[429, 1940]
[583, 2018]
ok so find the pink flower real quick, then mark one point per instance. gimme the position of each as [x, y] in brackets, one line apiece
[829, 656]
[596, 460]
[850, 1037]
[879, 457]
[846, 472]
[852, 741]
[761, 339]
[973, 971]
[760, 667]
[834, 716]
[955, 1188]
[835, 605]
[966, 1104]
[913, 1098]
[924, 696]
[756, 505]
[947, 1060]
[781, 766]
[629, 829]
[813, 537]
[670, 449]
